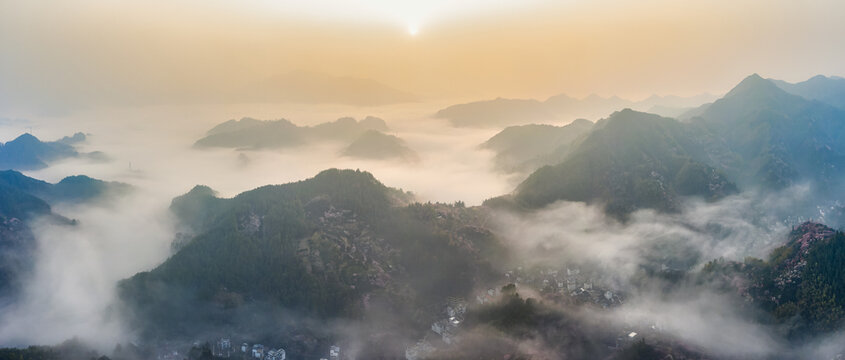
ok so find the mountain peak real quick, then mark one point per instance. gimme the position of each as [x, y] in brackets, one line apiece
[754, 84]
[26, 138]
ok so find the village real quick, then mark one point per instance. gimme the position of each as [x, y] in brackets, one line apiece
[567, 284]
[225, 348]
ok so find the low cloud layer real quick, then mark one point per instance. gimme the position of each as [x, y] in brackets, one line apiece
[576, 235]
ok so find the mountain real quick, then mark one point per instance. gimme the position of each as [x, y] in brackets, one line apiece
[508, 112]
[528, 147]
[255, 134]
[776, 138]
[829, 90]
[338, 245]
[315, 88]
[801, 285]
[23, 199]
[76, 138]
[498, 112]
[377, 145]
[26, 152]
[630, 160]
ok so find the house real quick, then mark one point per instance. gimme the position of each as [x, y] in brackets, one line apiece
[223, 348]
[257, 351]
[276, 354]
[334, 352]
[225, 344]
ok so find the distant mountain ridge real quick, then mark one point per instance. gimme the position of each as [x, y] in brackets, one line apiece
[506, 112]
[256, 134]
[376, 145]
[527, 147]
[757, 135]
[26, 152]
[829, 90]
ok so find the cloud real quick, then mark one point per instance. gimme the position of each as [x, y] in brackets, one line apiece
[71, 292]
[629, 258]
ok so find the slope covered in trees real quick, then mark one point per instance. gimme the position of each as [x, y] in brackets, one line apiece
[801, 284]
[326, 247]
[628, 161]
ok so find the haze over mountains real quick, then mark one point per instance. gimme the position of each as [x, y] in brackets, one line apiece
[505, 112]
[422, 179]
[757, 135]
[26, 152]
[611, 230]
[24, 201]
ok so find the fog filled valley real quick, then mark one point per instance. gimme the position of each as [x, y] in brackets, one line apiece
[634, 236]
[518, 180]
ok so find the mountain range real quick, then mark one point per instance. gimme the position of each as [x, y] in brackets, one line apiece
[26, 152]
[366, 138]
[829, 90]
[336, 246]
[756, 136]
[506, 112]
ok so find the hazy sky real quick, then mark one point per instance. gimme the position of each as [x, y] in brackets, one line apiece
[95, 52]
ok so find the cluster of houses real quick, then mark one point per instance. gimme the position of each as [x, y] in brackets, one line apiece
[444, 328]
[568, 281]
[455, 311]
[223, 349]
[334, 353]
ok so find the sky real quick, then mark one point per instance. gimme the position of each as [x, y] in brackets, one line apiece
[60, 55]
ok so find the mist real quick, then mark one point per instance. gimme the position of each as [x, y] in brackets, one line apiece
[337, 259]
[72, 291]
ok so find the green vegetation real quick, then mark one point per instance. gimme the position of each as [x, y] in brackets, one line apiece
[776, 138]
[315, 247]
[802, 284]
[630, 160]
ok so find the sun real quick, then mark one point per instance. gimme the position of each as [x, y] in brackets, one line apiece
[413, 29]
